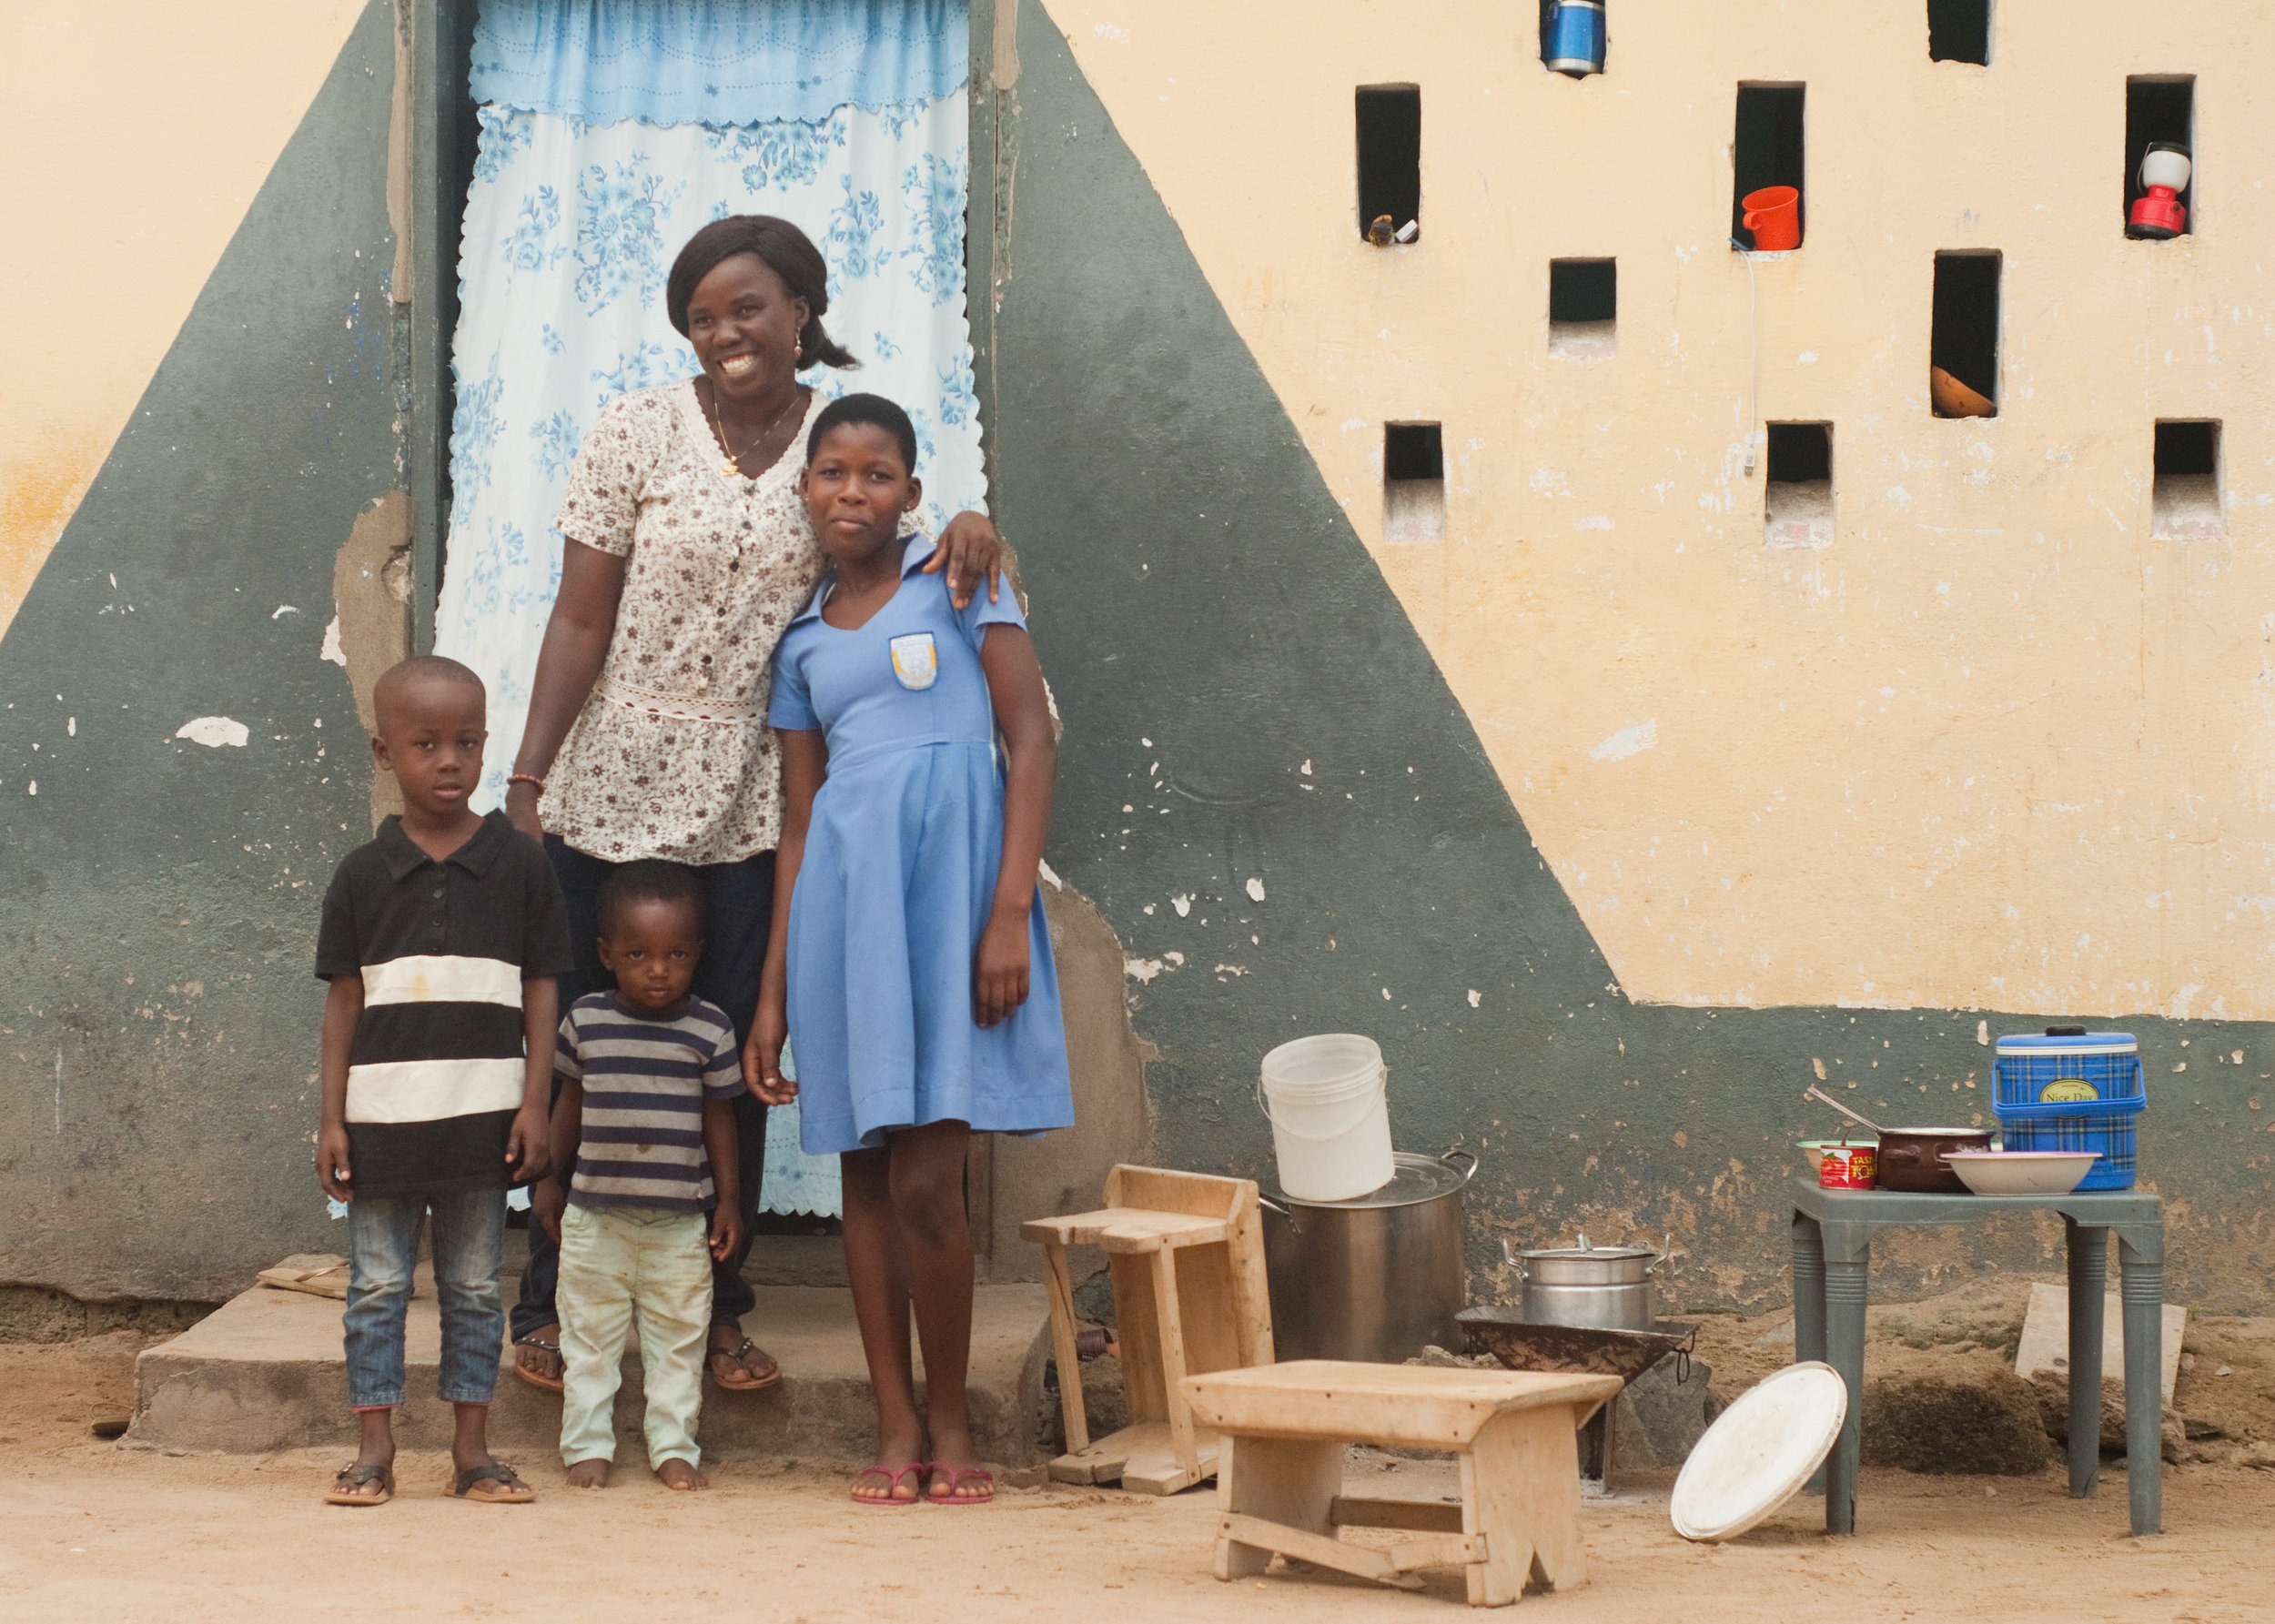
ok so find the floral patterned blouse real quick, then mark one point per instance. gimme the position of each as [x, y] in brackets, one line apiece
[670, 756]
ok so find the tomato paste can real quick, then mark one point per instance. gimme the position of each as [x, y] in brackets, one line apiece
[1848, 1166]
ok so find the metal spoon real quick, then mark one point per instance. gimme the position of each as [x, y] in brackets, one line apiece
[1816, 1093]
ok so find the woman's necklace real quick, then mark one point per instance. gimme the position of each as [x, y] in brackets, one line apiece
[731, 465]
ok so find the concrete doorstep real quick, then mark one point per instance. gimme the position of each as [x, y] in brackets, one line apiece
[265, 1372]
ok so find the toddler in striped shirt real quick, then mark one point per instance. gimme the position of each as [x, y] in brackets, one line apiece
[649, 1075]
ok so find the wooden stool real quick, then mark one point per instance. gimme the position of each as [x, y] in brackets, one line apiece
[1187, 1254]
[1281, 1469]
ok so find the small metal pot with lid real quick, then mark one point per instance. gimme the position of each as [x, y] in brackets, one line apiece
[1603, 1289]
[1375, 1278]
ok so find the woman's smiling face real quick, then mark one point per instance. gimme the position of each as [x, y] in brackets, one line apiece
[743, 324]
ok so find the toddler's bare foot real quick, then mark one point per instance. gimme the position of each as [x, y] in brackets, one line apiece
[589, 1474]
[678, 1474]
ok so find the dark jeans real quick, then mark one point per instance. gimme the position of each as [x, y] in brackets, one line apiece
[739, 902]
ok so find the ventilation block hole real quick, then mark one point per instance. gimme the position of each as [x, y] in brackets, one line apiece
[2160, 114]
[2184, 501]
[1798, 509]
[1583, 308]
[1958, 30]
[1389, 163]
[1413, 482]
[1572, 37]
[1767, 153]
[1962, 345]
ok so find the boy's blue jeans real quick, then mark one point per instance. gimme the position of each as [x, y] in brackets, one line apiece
[470, 1232]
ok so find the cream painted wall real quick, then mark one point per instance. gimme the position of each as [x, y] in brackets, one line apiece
[1994, 746]
[138, 132]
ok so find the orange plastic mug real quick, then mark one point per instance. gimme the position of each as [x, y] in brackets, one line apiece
[1773, 215]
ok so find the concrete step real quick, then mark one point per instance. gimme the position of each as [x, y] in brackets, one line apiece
[265, 1372]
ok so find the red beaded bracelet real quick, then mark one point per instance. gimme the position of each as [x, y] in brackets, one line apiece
[527, 778]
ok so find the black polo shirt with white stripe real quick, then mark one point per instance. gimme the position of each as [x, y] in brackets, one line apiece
[436, 1072]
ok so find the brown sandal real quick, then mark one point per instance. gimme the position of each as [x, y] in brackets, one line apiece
[549, 1384]
[494, 1485]
[353, 1477]
[733, 1357]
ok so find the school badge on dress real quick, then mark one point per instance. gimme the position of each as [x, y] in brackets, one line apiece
[916, 661]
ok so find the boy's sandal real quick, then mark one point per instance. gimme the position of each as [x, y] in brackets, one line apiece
[348, 1487]
[494, 1483]
[549, 1384]
[892, 1484]
[729, 1371]
[956, 1479]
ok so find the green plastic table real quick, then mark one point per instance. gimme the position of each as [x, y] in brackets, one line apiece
[1832, 1250]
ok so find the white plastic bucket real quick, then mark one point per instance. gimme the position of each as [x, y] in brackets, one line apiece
[1330, 1122]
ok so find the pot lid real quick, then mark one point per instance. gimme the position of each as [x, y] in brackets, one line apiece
[1582, 1249]
[1937, 1133]
[2072, 1042]
[1418, 1178]
[1759, 1452]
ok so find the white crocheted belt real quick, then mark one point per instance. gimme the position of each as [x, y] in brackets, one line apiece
[683, 707]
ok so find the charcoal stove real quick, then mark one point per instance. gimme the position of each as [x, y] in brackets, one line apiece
[1522, 1346]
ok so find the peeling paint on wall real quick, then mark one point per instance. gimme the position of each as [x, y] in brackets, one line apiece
[370, 630]
[214, 732]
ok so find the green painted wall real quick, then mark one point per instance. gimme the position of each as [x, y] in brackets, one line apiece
[1211, 623]
[158, 897]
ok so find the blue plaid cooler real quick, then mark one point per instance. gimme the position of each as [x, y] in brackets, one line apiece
[2073, 1090]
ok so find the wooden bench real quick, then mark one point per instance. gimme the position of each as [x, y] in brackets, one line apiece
[1186, 1251]
[1281, 1430]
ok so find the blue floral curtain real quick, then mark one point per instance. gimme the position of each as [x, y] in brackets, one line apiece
[610, 130]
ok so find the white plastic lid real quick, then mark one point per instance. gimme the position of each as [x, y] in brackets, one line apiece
[1759, 1452]
[2066, 1044]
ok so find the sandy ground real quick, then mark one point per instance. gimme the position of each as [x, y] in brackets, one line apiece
[93, 1529]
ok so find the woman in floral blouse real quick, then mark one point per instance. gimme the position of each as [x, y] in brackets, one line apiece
[687, 553]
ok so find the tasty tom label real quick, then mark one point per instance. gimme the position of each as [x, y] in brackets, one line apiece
[1848, 1167]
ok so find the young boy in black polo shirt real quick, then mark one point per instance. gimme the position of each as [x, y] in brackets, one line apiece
[442, 939]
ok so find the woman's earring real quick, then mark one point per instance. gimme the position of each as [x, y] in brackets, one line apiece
[798, 349]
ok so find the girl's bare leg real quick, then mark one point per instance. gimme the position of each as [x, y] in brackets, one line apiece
[873, 1268]
[927, 1197]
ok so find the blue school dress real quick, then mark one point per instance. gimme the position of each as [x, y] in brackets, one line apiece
[899, 878]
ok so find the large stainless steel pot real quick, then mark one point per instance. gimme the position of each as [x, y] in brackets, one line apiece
[1375, 1278]
[1605, 1288]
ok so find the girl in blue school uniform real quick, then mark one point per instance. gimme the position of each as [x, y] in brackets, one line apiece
[909, 963]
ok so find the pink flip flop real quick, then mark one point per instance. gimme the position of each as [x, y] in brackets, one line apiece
[956, 1477]
[892, 1478]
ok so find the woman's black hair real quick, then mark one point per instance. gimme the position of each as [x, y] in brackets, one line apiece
[648, 880]
[787, 251]
[873, 411]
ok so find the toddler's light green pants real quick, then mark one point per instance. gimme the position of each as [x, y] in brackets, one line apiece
[614, 1260]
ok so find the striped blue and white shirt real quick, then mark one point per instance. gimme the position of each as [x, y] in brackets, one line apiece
[645, 1079]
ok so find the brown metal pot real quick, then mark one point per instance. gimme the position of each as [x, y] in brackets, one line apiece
[1911, 1159]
